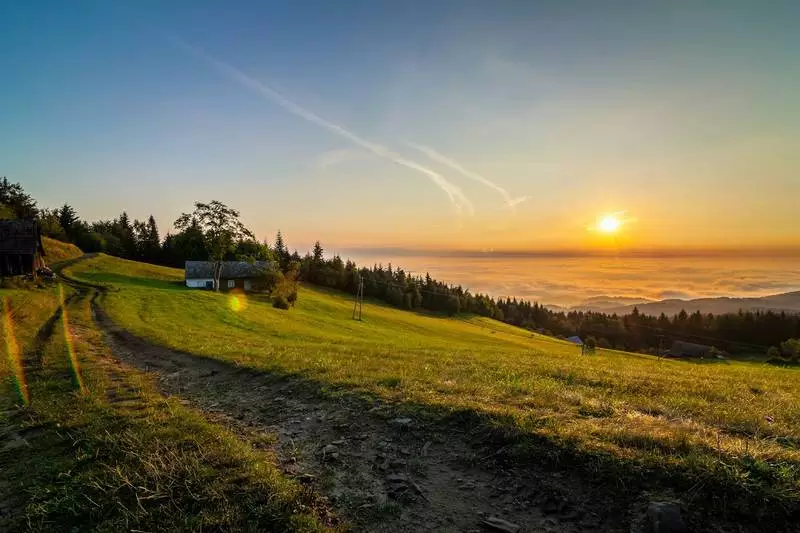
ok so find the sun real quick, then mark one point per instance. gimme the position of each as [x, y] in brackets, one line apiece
[609, 224]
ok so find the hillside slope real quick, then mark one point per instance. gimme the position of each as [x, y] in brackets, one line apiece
[728, 430]
[57, 251]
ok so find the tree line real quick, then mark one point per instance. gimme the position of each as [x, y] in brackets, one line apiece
[745, 331]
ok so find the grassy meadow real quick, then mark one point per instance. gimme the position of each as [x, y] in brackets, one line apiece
[88, 443]
[727, 432]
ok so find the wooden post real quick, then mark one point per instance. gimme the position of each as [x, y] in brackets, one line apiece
[356, 295]
[358, 299]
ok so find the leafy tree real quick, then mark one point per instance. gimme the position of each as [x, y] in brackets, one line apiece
[252, 250]
[187, 245]
[221, 229]
[50, 224]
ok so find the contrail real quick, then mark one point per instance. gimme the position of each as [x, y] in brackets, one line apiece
[449, 162]
[454, 193]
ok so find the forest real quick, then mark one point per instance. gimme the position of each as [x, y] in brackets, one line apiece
[140, 240]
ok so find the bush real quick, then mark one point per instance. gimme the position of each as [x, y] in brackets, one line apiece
[280, 302]
[773, 352]
[590, 343]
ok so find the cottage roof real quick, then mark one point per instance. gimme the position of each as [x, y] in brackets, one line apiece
[575, 340]
[20, 237]
[689, 348]
[230, 269]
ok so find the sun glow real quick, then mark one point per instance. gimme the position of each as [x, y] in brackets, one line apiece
[609, 224]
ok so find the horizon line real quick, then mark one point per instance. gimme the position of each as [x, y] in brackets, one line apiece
[653, 253]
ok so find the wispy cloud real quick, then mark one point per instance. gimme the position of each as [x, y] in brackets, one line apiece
[457, 198]
[455, 165]
[332, 158]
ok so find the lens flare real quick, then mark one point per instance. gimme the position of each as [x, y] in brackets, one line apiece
[72, 358]
[13, 354]
[237, 301]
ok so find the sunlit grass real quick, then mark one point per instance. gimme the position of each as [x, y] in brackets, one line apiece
[57, 251]
[75, 459]
[734, 422]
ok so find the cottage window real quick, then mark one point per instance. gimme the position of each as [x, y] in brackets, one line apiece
[231, 283]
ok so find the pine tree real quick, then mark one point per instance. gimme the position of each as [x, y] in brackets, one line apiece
[282, 252]
[67, 217]
[318, 251]
[17, 203]
[123, 230]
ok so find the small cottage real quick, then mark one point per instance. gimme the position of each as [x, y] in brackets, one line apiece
[575, 340]
[21, 249]
[235, 274]
[689, 349]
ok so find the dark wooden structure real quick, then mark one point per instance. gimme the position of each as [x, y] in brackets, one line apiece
[21, 249]
[689, 349]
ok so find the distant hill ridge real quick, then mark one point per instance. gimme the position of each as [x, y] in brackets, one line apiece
[788, 302]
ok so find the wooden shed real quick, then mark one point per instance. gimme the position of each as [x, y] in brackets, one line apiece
[21, 249]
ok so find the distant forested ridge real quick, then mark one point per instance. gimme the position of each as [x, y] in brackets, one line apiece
[750, 331]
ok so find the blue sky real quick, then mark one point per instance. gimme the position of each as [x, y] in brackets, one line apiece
[681, 116]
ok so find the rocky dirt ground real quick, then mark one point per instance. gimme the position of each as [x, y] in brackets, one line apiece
[381, 470]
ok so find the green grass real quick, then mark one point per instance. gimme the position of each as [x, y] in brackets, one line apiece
[729, 430]
[77, 459]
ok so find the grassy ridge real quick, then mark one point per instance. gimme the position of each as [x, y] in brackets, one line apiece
[57, 251]
[729, 430]
[98, 449]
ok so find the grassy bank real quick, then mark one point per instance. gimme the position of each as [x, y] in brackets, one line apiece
[98, 449]
[727, 431]
[57, 251]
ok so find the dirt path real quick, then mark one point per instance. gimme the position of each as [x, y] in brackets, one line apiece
[381, 471]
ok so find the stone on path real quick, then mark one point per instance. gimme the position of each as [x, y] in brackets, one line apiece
[665, 517]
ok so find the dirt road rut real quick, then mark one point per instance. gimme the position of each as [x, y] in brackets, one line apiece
[380, 469]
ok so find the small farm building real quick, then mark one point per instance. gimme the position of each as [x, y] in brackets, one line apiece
[575, 340]
[689, 349]
[235, 274]
[21, 249]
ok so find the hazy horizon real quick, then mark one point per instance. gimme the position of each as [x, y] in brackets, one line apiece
[571, 280]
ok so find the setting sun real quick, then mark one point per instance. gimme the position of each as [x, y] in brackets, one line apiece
[609, 224]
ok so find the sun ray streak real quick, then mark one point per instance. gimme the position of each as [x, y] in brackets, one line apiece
[13, 353]
[72, 357]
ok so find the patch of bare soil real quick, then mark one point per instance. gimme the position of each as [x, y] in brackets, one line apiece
[380, 469]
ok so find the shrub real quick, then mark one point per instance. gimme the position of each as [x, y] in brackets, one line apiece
[292, 297]
[590, 343]
[280, 302]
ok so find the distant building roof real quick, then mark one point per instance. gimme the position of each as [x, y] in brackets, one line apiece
[20, 237]
[230, 269]
[575, 340]
[689, 349]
